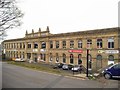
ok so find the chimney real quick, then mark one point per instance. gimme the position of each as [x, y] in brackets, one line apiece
[47, 28]
[32, 31]
[39, 29]
[26, 32]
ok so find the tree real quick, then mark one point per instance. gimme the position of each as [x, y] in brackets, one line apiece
[10, 16]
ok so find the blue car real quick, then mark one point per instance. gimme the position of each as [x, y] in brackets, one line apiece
[112, 71]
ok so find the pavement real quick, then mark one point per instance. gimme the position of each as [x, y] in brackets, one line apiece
[80, 76]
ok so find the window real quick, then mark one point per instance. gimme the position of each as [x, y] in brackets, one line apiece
[111, 58]
[13, 45]
[57, 44]
[20, 54]
[17, 45]
[43, 44]
[20, 45]
[57, 57]
[9, 45]
[35, 45]
[23, 55]
[51, 44]
[43, 57]
[99, 57]
[89, 42]
[50, 57]
[23, 45]
[64, 58]
[99, 61]
[64, 44]
[17, 54]
[79, 59]
[79, 44]
[71, 58]
[29, 45]
[28, 55]
[71, 44]
[117, 66]
[99, 43]
[110, 43]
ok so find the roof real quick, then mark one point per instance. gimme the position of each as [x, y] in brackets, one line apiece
[105, 30]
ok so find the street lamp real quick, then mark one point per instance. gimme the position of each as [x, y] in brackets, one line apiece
[87, 63]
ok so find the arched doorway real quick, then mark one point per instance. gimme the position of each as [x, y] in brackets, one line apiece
[99, 61]
[110, 59]
[79, 59]
[71, 58]
[89, 62]
[64, 58]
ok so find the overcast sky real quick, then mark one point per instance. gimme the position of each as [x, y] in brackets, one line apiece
[66, 16]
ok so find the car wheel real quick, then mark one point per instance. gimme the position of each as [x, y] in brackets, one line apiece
[107, 76]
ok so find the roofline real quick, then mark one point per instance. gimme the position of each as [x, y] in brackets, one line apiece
[69, 33]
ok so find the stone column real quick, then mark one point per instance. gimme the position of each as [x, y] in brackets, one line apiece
[105, 43]
[94, 44]
[76, 44]
[67, 58]
[32, 47]
[25, 52]
[54, 45]
[47, 51]
[67, 43]
[84, 43]
[75, 62]
[60, 44]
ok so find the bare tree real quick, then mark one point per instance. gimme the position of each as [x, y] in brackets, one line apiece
[10, 16]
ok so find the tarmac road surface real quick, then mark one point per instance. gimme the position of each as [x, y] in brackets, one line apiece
[20, 77]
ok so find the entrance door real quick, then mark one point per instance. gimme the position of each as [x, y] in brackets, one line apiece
[89, 62]
[99, 62]
[28, 55]
[110, 59]
[35, 57]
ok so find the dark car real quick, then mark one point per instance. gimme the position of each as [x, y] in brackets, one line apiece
[70, 66]
[112, 71]
[58, 65]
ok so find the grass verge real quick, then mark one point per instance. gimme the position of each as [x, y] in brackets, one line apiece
[37, 67]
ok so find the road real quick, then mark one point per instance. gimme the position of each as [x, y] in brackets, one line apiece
[20, 77]
[0, 74]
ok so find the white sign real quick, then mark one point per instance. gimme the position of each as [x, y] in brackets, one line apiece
[101, 51]
[42, 50]
[35, 50]
[14, 50]
[112, 51]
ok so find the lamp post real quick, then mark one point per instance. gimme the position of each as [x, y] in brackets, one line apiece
[87, 63]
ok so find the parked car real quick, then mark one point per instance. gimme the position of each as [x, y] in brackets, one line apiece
[112, 71]
[57, 65]
[60, 65]
[70, 66]
[19, 60]
[65, 67]
[76, 68]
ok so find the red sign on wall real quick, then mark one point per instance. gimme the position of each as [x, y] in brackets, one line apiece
[75, 51]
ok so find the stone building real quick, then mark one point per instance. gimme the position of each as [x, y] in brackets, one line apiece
[68, 48]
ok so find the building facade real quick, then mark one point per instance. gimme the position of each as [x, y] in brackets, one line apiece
[68, 48]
